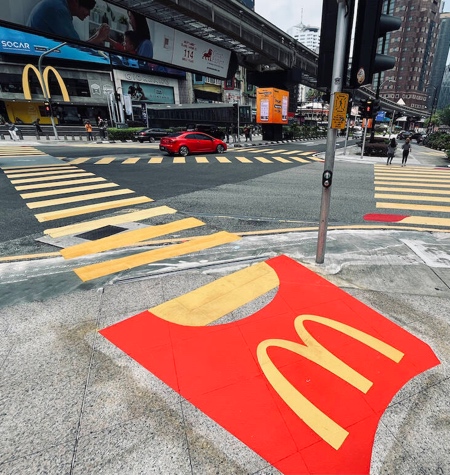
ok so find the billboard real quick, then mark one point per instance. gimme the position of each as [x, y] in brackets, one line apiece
[22, 43]
[271, 106]
[104, 26]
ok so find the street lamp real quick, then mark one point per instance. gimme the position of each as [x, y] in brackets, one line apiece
[45, 91]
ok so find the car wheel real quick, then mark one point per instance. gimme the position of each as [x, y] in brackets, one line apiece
[183, 150]
[151, 139]
[220, 148]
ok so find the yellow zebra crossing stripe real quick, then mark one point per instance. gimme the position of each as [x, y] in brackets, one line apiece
[22, 150]
[129, 237]
[131, 161]
[70, 212]
[102, 269]
[110, 221]
[59, 183]
[105, 160]
[64, 191]
[76, 199]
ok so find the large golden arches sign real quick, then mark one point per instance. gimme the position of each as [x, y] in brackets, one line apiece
[43, 81]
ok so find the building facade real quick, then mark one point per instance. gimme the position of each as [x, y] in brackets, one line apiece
[414, 46]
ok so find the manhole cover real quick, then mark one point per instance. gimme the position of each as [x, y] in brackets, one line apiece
[100, 233]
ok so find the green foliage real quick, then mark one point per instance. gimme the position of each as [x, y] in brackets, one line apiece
[438, 141]
[443, 117]
[122, 134]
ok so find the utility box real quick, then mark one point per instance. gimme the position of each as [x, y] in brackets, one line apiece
[271, 106]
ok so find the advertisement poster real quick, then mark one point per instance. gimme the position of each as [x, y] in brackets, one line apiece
[271, 106]
[117, 30]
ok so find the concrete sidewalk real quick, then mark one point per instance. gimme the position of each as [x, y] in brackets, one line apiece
[72, 402]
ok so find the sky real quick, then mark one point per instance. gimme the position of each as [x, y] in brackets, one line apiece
[287, 13]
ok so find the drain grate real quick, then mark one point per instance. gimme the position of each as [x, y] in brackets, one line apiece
[100, 233]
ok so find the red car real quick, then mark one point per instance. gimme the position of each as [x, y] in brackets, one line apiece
[185, 143]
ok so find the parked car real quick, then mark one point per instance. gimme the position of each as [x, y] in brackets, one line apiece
[209, 129]
[150, 135]
[184, 143]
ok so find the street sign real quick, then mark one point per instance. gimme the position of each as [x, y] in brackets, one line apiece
[339, 117]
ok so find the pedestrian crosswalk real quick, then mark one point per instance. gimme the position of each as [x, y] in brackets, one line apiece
[265, 156]
[23, 150]
[413, 195]
[61, 192]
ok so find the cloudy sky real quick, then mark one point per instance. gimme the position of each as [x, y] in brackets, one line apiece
[287, 13]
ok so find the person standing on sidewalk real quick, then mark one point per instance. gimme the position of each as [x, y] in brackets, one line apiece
[391, 150]
[88, 128]
[102, 127]
[12, 129]
[406, 149]
[37, 124]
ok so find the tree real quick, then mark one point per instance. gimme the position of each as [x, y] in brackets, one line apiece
[442, 117]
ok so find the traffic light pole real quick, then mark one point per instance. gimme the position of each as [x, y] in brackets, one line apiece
[44, 84]
[337, 80]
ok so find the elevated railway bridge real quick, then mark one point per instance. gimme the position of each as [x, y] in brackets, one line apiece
[271, 57]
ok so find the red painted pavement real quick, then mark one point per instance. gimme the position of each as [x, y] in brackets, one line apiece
[388, 218]
[216, 368]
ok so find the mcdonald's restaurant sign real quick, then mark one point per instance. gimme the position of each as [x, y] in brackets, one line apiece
[303, 382]
[43, 81]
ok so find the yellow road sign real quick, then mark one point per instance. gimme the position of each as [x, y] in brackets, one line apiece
[339, 117]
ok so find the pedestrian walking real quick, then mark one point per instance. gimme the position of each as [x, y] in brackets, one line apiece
[391, 150]
[227, 133]
[406, 149]
[13, 129]
[246, 133]
[37, 125]
[235, 134]
[102, 127]
[88, 128]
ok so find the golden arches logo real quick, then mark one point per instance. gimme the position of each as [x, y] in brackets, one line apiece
[320, 423]
[43, 81]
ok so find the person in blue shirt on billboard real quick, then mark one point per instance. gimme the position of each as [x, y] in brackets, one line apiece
[56, 17]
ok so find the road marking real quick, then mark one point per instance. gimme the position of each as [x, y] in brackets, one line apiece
[59, 183]
[105, 161]
[414, 179]
[66, 213]
[14, 171]
[50, 178]
[263, 160]
[156, 160]
[298, 159]
[212, 301]
[259, 150]
[292, 152]
[22, 150]
[437, 209]
[413, 189]
[102, 269]
[41, 173]
[80, 160]
[179, 159]
[76, 199]
[63, 191]
[272, 152]
[282, 160]
[129, 237]
[223, 159]
[131, 160]
[201, 160]
[243, 160]
[423, 183]
[110, 221]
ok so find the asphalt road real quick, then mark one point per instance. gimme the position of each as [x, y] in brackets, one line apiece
[236, 196]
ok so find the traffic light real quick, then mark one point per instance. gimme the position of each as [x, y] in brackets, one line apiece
[235, 111]
[47, 108]
[328, 32]
[369, 109]
[371, 24]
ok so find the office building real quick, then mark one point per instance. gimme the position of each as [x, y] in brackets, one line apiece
[414, 46]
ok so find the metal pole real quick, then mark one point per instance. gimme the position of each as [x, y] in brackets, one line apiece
[336, 86]
[45, 92]
[238, 121]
